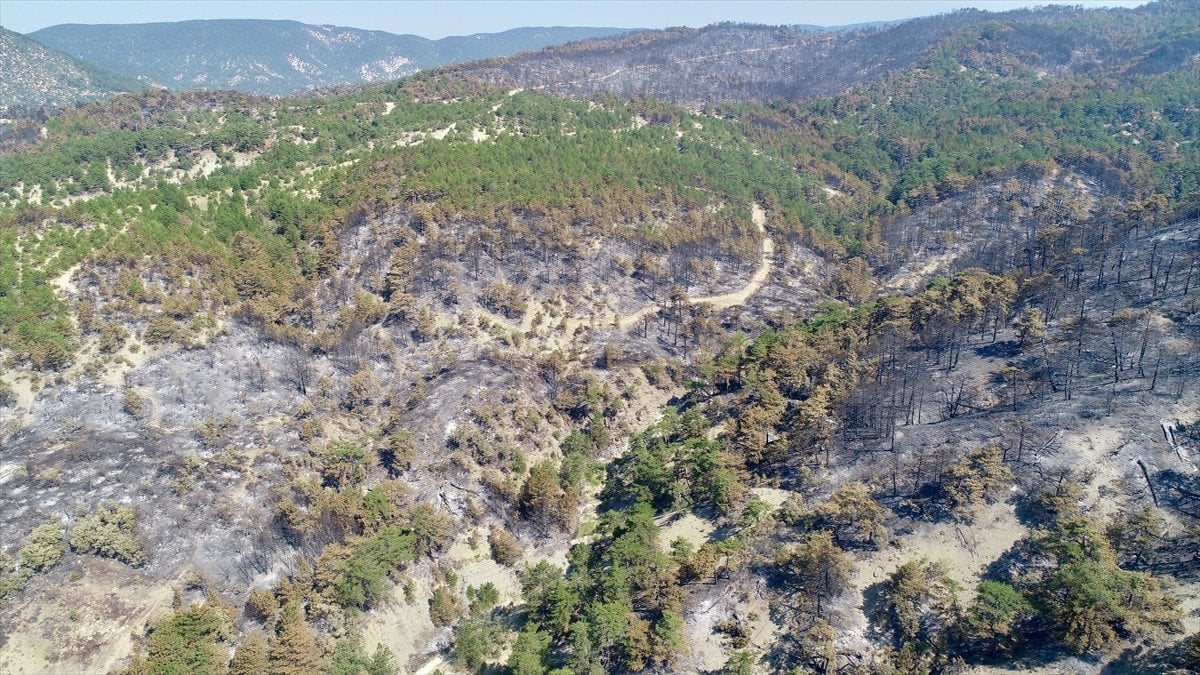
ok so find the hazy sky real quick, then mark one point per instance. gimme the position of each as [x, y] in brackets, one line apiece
[439, 19]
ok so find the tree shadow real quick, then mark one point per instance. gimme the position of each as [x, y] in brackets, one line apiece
[1005, 349]
[1141, 660]
[872, 608]
[1182, 493]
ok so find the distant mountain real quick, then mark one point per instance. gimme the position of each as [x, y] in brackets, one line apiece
[845, 28]
[741, 62]
[281, 57]
[32, 74]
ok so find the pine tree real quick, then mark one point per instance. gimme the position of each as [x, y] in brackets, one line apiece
[294, 650]
[383, 662]
[252, 655]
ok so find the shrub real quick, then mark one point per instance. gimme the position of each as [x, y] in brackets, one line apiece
[505, 549]
[50, 476]
[362, 578]
[108, 531]
[112, 337]
[444, 606]
[504, 298]
[975, 480]
[251, 657]
[44, 546]
[855, 518]
[398, 451]
[345, 464]
[160, 329]
[135, 403]
[11, 578]
[611, 356]
[262, 605]
[191, 640]
[363, 389]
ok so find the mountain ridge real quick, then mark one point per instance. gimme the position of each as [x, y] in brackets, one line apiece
[36, 75]
[730, 62]
[262, 56]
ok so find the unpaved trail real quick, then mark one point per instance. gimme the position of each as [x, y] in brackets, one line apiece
[154, 420]
[740, 296]
[567, 327]
[432, 666]
[718, 302]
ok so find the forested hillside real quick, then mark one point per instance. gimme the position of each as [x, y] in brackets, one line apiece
[455, 375]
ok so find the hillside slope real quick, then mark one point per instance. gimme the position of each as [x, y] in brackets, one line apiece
[740, 63]
[35, 75]
[281, 57]
[441, 375]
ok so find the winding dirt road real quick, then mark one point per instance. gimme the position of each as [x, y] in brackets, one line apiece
[624, 322]
[718, 302]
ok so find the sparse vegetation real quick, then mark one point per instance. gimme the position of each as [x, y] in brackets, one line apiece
[899, 379]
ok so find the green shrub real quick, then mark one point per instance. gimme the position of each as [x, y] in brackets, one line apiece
[194, 639]
[50, 476]
[109, 532]
[160, 329]
[363, 578]
[44, 546]
[262, 605]
[444, 606]
[112, 337]
[975, 480]
[345, 464]
[11, 578]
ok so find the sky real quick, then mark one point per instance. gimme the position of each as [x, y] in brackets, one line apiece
[464, 17]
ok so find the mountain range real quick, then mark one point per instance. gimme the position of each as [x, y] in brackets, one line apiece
[281, 57]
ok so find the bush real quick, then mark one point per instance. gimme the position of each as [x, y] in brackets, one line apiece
[345, 464]
[50, 476]
[262, 605]
[975, 480]
[505, 299]
[112, 337]
[11, 578]
[505, 549]
[135, 403]
[193, 639]
[855, 518]
[44, 547]
[362, 578]
[160, 329]
[108, 532]
[444, 606]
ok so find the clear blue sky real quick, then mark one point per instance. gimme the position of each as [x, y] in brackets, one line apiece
[439, 19]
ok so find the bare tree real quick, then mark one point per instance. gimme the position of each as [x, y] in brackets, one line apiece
[299, 371]
[258, 376]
